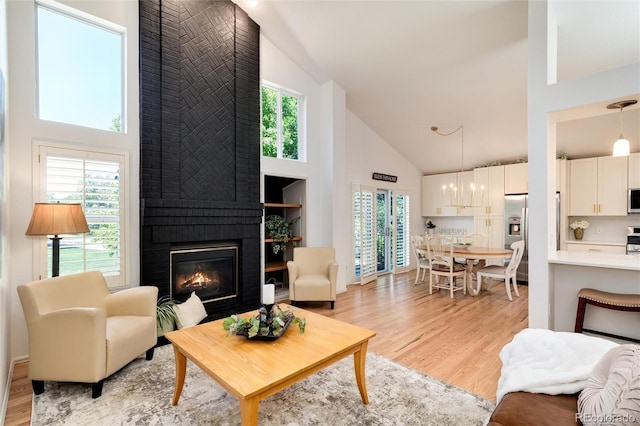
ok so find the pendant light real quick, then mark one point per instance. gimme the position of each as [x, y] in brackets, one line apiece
[456, 198]
[621, 146]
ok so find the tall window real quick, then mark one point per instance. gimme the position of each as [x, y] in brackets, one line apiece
[281, 124]
[95, 180]
[80, 70]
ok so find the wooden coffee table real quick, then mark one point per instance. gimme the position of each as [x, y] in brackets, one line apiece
[253, 370]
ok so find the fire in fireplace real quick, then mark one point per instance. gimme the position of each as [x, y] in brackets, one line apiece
[212, 272]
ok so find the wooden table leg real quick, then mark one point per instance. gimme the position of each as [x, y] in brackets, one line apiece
[471, 269]
[181, 370]
[249, 411]
[359, 359]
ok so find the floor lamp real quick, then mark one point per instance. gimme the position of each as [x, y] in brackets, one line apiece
[54, 219]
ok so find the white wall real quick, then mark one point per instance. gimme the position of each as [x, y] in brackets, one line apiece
[26, 128]
[341, 150]
[367, 153]
[544, 98]
[5, 287]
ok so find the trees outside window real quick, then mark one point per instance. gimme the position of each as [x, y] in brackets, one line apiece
[281, 123]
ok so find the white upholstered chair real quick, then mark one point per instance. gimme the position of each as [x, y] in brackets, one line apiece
[420, 256]
[313, 273]
[79, 332]
[508, 273]
[440, 251]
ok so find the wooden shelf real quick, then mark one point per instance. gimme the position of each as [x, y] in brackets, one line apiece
[280, 205]
[270, 240]
[279, 265]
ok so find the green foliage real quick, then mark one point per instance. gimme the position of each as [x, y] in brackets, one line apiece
[280, 230]
[289, 123]
[289, 127]
[262, 324]
[116, 125]
[430, 225]
[269, 122]
[165, 312]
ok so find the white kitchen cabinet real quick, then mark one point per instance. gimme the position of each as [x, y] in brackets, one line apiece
[493, 227]
[516, 180]
[598, 186]
[634, 170]
[492, 178]
[596, 248]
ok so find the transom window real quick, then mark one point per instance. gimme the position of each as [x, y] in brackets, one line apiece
[282, 123]
[80, 69]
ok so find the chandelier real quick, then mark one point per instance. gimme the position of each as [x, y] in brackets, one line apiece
[451, 197]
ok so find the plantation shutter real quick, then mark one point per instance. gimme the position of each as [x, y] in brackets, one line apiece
[95, 181]
[401, 241]
[364, 203]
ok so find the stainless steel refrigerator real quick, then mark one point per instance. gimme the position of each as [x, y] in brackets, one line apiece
[516, 218]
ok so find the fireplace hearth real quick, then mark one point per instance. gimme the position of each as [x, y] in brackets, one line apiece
[212, 272]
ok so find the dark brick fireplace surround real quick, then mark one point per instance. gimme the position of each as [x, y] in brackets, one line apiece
[200, 139]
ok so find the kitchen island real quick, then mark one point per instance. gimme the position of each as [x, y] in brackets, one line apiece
[572, 271]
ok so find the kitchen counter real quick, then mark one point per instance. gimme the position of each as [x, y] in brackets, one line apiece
[574, 270]
[599, 243]
[596, 260]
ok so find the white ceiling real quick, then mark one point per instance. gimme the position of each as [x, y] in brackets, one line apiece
[408, 65]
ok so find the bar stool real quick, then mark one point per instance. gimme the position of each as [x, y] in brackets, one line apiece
[603, 299]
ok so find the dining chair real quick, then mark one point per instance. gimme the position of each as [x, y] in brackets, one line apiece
[440, 253]
[476, 239]
[506, 273]
[421, 257]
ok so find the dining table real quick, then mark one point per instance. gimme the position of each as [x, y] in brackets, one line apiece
[471, 254]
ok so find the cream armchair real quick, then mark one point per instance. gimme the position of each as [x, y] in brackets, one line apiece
[312, 274]
[79, 332]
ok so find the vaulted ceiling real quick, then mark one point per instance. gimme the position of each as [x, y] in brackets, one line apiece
[408, 65]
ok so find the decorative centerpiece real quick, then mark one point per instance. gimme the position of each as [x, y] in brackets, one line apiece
[578, 227]
[430, 227]
[268, 324]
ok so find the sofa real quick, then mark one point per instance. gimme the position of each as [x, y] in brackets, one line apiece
[525, 408]
[557, 378]
[80, 332]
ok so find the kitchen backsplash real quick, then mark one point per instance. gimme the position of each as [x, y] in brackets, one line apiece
[605, 229]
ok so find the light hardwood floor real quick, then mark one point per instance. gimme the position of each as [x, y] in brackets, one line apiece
[455, 340]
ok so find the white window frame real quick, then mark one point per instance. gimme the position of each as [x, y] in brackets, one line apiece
[302, 127]
[96, 22]
[43, 148]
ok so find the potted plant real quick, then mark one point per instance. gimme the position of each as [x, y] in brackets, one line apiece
[578, 227]
[165, 315]
[280, 231]
[430, 226]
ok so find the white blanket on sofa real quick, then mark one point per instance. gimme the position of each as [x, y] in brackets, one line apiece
[551, 362]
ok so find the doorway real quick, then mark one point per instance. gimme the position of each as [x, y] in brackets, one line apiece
[384, 230]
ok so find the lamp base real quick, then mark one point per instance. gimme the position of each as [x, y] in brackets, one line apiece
[55, 261]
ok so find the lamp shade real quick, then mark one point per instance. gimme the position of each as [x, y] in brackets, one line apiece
[57, 218]
[621, 147]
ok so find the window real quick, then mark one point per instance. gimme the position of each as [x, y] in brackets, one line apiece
[281, 124]
[80, 70]
[95, 180]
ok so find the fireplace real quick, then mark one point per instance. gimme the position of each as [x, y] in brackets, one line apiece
[200, 152]
[212, 272]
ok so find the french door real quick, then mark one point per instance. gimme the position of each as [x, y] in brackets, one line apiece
[370, 211]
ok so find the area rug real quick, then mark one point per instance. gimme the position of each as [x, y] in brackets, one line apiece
[140, 394]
